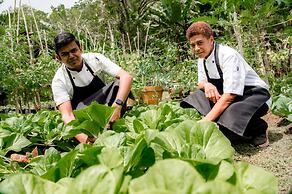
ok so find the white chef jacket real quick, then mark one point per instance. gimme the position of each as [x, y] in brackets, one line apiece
[61, 85]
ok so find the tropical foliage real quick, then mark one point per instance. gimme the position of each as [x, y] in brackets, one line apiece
[147, 38]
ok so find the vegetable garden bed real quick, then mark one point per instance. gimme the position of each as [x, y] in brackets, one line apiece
[154, 149]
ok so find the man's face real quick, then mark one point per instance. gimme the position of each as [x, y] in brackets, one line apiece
[70, 55]
[201, 45]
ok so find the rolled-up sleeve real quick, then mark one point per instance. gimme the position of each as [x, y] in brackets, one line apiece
[60, 94]
[233, 74]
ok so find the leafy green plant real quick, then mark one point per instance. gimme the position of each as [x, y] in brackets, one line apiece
[282, 106]
[152, 143]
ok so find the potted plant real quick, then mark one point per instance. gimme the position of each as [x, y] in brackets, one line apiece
[152, 94]
[150, 73]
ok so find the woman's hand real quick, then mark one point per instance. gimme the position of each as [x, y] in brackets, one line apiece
[211, 92]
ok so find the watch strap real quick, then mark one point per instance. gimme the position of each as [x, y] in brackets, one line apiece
[119, 102]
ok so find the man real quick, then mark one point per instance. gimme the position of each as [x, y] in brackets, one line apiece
[230, 91]
[81, 78]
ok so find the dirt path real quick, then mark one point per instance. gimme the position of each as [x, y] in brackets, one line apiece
[277, 158]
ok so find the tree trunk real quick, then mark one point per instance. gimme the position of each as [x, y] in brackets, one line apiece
[265, 47]
[260, 58]
[111, 35]
[237, 32]
[17, 103]
[37, 101]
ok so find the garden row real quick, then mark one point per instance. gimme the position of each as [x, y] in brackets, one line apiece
[153, 149]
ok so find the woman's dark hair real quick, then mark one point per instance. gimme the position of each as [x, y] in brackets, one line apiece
[63, 39]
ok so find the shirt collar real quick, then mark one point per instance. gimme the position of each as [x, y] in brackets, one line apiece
[212, 55]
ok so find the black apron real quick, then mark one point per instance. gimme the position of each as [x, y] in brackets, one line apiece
[95, 91]
[237, 115]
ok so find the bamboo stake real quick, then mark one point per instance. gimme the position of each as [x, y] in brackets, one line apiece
[37, 28]
[14, 8]
[104, 42]
[123, 44]
[46, 42]
[18, 21]
[9, 30]
[90, 37]
[129, 42]
[146, 38]
[27, 35]
[138, 42]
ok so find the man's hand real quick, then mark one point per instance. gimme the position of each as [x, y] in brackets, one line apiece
[82, 138]
[117, 113]
[211, 92]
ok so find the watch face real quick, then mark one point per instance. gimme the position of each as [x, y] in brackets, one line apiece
[119, 102]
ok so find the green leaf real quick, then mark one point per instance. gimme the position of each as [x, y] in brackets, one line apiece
[88, 155]
[27, 184]
[282, 106]
[218, 187]
[95, 112]
[111, 157]
[111, 139]
[97, 179]
[133, 155]
[151, 118]
[42, 164]
[14, 142]
[63, 168]
[254, 179]
[198, 141]
[90, 120]
[167, 176]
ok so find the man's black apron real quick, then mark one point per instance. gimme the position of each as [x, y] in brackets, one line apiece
[95, 91]
[237, 115]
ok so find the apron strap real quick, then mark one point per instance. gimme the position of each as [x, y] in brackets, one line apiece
[71, 79]
[91, 71]
[206, 71]
[217, 61]
[89, 68]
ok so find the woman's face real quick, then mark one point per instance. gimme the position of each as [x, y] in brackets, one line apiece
[201, 45]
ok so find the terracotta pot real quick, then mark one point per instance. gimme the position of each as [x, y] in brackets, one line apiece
[152, 94]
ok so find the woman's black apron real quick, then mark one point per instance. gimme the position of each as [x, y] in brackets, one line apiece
[238, 114]
[95, 91]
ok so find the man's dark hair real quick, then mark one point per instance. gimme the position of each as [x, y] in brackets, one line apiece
[63, 39]
[198, 28]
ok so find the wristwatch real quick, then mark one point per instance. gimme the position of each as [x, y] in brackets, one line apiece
[119, 102]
